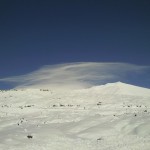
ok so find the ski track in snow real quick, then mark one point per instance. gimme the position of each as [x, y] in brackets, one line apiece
[115, 116]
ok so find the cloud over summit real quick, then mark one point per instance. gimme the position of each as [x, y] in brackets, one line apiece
[76, 75]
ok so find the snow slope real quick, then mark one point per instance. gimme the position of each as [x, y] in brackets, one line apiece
[121, 89]
[115, 116]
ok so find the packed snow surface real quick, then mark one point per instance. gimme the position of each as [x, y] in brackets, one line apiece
[115, 116]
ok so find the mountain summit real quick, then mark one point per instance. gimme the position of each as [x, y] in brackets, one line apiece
[121, 89]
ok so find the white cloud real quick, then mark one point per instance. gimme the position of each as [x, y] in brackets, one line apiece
[75, 75]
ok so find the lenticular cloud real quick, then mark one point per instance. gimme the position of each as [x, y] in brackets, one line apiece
[75, 75]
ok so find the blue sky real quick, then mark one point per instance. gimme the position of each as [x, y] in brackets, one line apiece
[37, 33]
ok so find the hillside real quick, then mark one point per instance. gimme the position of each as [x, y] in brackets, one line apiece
[115, 116]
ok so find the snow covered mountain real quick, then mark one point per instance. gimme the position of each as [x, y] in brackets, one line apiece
[115, 116]
[120, 88]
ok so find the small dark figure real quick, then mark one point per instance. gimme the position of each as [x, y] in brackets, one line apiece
[99, 139]
[29, 136]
